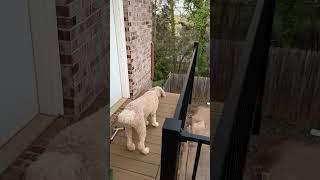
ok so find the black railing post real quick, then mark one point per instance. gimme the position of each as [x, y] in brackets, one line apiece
[265, 36]
[170, 148]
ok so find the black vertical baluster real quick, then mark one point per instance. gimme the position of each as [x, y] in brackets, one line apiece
[196, 162]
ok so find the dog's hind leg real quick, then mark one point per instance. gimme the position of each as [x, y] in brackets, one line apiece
[154, 119]
[130, 144]
[146, 120]
[142, 132]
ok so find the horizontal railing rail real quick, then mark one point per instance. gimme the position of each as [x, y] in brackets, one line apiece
[186, 92]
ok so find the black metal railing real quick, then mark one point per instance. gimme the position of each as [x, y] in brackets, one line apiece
[173, 133]
[242, 109]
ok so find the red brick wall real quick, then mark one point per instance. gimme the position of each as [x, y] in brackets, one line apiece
[82, 32]
[138, 28]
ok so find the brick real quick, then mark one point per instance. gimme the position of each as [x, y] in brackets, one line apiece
[66, 23]
[64, 35]
[75, 69]
[28, 156]
[66, 59]
[10, 177]
[68, 103]
[62, 11]
[38, 149]
[63, 2]
[138, 36]
[41, 142]
[83, 48]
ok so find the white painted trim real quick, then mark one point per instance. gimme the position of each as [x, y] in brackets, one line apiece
[46, 56]
[116, 106]
[121, 42]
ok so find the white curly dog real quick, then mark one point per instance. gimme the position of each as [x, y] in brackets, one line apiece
[135, 115]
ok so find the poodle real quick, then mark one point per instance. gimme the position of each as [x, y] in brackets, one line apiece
[135, 115]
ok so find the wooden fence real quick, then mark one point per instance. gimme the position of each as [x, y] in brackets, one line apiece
[201, 86]
[292, 89]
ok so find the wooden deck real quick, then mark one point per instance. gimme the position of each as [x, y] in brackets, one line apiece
[133, 165]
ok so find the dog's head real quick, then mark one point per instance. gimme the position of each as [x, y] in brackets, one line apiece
[160, 91]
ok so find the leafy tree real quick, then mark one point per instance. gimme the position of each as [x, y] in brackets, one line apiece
[162, 38]
[199, 11]
[173, 37]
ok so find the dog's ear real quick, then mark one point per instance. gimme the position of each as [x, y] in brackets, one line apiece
[193, 109]
[163, 94]
[160, 91]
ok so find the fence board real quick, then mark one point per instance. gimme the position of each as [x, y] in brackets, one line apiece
[292, 89]
[201, 86]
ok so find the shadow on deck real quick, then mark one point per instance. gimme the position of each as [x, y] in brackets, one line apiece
[133, 165]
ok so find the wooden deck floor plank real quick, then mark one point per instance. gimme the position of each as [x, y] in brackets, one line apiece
[169, 109]
[120, 150]
[134, 165]
[149, 139]
[154, 148]
[121, 174]
[171, 98]
[158, 174]
[153, 134]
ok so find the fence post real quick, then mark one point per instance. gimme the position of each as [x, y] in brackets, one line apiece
[170, 148]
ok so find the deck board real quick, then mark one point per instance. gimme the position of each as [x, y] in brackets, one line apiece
[119, 173]
[134, 165]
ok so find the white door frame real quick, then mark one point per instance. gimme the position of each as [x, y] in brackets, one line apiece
[43, 26]
[121, 42]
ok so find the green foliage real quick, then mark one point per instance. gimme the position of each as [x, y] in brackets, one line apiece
[289, 20]
[296, 22]
[199, 13]
[162, 64]
[173, 37]
[163, 49]
[158, 83]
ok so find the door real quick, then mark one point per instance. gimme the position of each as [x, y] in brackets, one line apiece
[115, 82]
[18, 92]
[119, 80]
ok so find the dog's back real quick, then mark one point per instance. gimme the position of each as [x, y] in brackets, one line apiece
[141, 106]
[127, 116]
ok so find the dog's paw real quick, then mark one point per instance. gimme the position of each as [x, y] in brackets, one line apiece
[131, 147]
[145, 151]
[155, 124]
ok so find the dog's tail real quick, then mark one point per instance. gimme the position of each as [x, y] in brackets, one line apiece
[127, 117]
